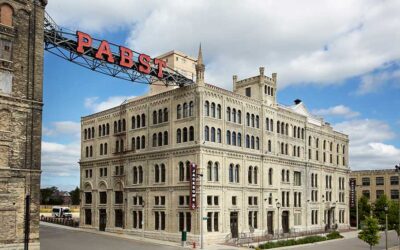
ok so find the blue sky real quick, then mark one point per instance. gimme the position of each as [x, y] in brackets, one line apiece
[341, 59]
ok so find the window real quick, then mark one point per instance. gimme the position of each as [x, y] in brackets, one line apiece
[297, 178]
[191, 133]
[207, 108]
[248, 91]
[185, 221]
[365, 181]
[185, 110]
[191, 106]
[178, 112]
[253, 219]
[6, 15]
[380, 181]
[394, 194]
[88, 216]
[228, 114]
[103, 197]
[270, 176]
[207, 133]
[178, 135]
[159, 220]
[366, 193]
[219, 111]
[394, 180]
[379, 193]
[219, 136]
[234, 200]
[119, 197]
[213, 110]
[88, 198]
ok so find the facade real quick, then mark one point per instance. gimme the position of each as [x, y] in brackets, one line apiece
[21, 77]
[375, 183]
[264, 166]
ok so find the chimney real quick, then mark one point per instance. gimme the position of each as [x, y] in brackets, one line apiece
[297, 101]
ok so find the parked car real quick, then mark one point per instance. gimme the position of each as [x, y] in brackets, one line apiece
[61, 212]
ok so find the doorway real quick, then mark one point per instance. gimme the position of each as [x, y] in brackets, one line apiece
[285, 221]
[270, 224]
[234, 224]
[102, 219]
[119, 218]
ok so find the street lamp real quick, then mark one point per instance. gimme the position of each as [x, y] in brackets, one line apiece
[278, 206]
[386, 226]
[398, 200]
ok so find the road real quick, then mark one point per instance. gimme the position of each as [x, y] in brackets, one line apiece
[52, 238]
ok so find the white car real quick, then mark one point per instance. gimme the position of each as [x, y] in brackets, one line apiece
[61, 212]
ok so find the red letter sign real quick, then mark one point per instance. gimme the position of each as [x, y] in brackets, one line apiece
[84, 40]
[144, 66]
[160, 65]
[126, 56]
[104, 49]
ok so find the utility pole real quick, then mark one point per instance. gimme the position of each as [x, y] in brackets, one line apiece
[27, 221]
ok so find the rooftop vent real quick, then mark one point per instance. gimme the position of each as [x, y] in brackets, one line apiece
[297, 101]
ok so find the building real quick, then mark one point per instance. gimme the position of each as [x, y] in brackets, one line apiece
[21, 76]
[265, 166]
[375, 183]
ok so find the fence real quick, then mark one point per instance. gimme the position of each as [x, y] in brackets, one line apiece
[61, 221]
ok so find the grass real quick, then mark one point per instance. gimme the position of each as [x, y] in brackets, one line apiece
[305, 240]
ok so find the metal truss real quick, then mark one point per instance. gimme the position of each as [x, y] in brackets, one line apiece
[63, 44]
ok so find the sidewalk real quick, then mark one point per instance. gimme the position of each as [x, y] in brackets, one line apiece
[137, 238]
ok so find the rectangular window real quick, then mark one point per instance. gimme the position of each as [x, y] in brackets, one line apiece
[88, 198]
[103, 197]
[209, 222]
[380, 181]
[394, 194]
[119, 197]
[379, 193]
[216, 201]
[216, 222]
[365, 181]
[181, 200]
[248, 91]
[394, 180]
[234, 200]
[88, 216]
[297, 178]
[366, 193]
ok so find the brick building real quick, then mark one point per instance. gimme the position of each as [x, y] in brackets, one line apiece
[21, 77]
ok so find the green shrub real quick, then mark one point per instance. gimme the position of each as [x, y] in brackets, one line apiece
[292, 242]
[334, 235]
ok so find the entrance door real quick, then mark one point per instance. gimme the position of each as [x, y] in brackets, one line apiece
[285, 221]
[329, 218]
[102, 219]
[270, 225]
[234, 224]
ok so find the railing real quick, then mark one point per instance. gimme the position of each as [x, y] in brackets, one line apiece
[61, 221]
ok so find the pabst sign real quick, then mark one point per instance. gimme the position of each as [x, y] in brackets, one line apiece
[125, 58]
[193, 190]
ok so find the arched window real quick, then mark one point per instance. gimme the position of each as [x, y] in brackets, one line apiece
[228, 114]
[213, 109]
[302, 133]
[252, 120]
[283, 175]
[271, 125]
[163, 173]
[317, 143]
[206, 133]
[178, 111]
[122, 146]
[160, 117]
[92, 132]
[123, 125]
[231, 173]
[294, 150]
[257, 143]
[143, 141]
[160, 139]
[287, 129]
[234, 138]
[283, 128]
[101, 149]
[104, 129]
[237, 173]
[108, 129]
[191, 108]
[219, 111]
[154, 140]
[140, 174]
[216, 171]
[144, 119]
[282, 148]
[286, 149]
[239, 116]
[252, 142]
[181, 172]
[156, 173]
[337, 148]
[185, 135]
[298, 132]
[99, 130]
[298, 151]
[287, 176]
[270, 172]
[239, 139]
[166, 138]
[154, 117]
[209, 171]
[255, 175]
[178, 135]
[309, 141]
[185, 110]
[278, 126]
[135, 175]
[248, 119]
[219, 137]
[6, 15]
[331, 146]
[115, 127]
[138, 142]
[119, 126]
[191, 133]
[116, 146]
[228, 137]
[187, 171]
[105, 148]
[85, 134]
[247, 141]
[213, 134]
[344, 149]
[138, 121]
[257, 121]
[250, 175]
[165, 115]
[207, 108]
[234, 115]
[133, 146]
[269, 146]
[294, 131]
[91, 151]
[267, 123]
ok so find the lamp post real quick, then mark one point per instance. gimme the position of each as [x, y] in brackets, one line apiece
[278, 206]
[386, 226]
[398, 200]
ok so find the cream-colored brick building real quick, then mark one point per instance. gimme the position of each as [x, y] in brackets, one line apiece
[375, 183]
[254, 154]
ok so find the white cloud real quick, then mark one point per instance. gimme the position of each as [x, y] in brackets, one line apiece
[95, 105]
[63, 128]
[60, 159]
[374, 82]
[368, 149]
[339, 110]
[309, 41]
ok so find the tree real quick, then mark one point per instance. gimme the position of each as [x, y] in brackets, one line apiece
[370, 232]
[75, 197]
[379, 210]
[364, 208]
[46, 195]
[393, 215]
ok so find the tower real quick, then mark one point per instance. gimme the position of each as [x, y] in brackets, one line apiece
[200, 68]
[21, 81]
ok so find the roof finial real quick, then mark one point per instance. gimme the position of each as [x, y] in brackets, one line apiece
[200, 68]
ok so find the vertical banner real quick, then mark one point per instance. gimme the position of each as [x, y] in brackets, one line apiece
[352, 193]
[193, 191]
